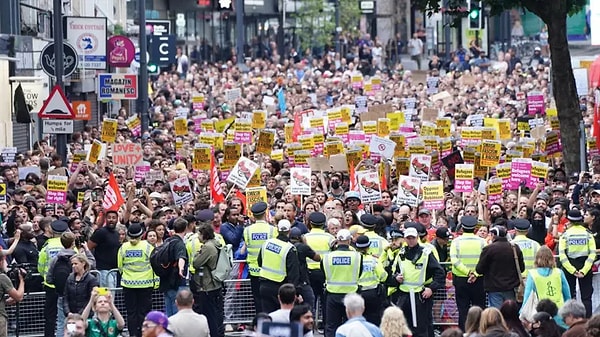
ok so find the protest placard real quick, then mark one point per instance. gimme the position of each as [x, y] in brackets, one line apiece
[408, 190]
[233, 95]
[109, 130]
[181, 191]
[300, 181]
[126, 154]
[490, 153]
[433, 194]
[202, 157]
[141, 170]
[503, 172]
[243, 131]
[78, 156]
[255, 195]
[242, 172]
[420, 166]
[134, 124]
[539, 172]
[153, 176]
[382, 146]
[265, 141]
[520, 172]
[259, 119]
[494, 190]
[463, 178]
[96, 151]
[369, 186]
[57, 190]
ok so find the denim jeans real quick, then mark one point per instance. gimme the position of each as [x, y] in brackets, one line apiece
[60, 317]
[496, 299]
[170, 307]
[107, 280]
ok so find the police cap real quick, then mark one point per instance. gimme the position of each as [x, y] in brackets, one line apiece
[59, 226]
[362, 242]
[468, 222]
[317, 218]
[259, 208]
[368, 220]
[521, 224]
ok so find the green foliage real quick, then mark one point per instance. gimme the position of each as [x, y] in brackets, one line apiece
[315, 21]
[118, 29]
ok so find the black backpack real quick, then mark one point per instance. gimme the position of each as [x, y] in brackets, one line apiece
[161, 259]
[62, 270]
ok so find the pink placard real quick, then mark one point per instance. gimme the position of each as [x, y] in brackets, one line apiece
[520, 173]
[536, 104]
[56, 197]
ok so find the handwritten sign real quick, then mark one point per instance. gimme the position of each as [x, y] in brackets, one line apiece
[127, 154]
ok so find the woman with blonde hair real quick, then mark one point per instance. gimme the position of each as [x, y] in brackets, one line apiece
[472, 321]
[393, 323]
[79, 285]
[547, 281]
[492, 324]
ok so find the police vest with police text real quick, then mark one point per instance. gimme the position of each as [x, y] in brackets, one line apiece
[274, 255]
[255, 236]
[342, 270]
[133, 263]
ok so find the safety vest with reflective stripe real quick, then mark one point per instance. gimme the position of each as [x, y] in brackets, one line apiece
[342, 270]
[372, 273]
[377, 244]
[320, 242]
[133, 263]
[49, 251]
[387, 259]
[254, 237]
[274, 255]
[548, 287]
[576, 242]
[414, 273]
[464, 253]
[529, 248]
[193, 245]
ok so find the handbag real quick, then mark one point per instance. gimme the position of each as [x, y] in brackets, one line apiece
[528, 310]
[521, 288]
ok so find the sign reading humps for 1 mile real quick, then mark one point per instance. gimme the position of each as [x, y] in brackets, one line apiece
[126, 154]
[57, 190]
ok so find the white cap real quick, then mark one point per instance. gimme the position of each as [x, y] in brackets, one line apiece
[284, 225]
[344, 235]
[411, 231]
[155, 195]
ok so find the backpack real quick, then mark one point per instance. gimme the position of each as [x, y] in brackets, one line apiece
[224, 264]
[161, 259]
[60, 273]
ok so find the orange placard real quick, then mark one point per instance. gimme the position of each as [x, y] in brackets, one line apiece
[83, 110]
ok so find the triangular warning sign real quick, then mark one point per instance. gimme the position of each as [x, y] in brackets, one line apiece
[57, 106]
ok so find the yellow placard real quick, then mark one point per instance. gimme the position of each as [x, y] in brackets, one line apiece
[255, 195]
[539, 170]
[346, 118]
[208, 125]
[504, 129]
[428, 129]
[259, 119]
[397, 118]
[95, 151]
[333, 148]
[433, 190]
[494, 187]
[490, 153]
[402, 167]
[221, 125]
[342, 128]
[201, 159]
[383, 127]
[109, 130]
[488, 133]
[400, 140]
[335, 114]
[207, 138]
[464, 171]
[417, 148]
[551, 112]
[369, 127]
[307, 141]
[255, 179]
[318, 138]
[57, 183]
[265, 142]
[178, 144]
[353, 157]
[301, 156]
[288, 132]
[316, 123]
[243, 125]
[231, 154]
[180, 124]
[277, 155]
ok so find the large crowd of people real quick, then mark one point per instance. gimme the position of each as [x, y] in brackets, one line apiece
[288, 167]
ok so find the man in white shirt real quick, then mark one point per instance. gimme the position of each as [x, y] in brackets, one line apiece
[186, 322]
[356, 325]
[287, 298]
[415, 48]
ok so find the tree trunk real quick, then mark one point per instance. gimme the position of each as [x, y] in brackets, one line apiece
[564, 90]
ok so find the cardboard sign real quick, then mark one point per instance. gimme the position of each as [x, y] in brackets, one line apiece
[181, 191]
[429, 115]
[57, 190]
[433, 194]
[408, 190]
[242, 172]
[300, 181]
[369, 186]
[109, 130]
[126, 154]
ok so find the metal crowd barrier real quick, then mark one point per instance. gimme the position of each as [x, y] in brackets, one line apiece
[238, 307]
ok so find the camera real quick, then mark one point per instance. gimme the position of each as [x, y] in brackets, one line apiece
[19, 268]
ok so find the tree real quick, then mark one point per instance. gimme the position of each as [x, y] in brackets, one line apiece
[315, 21]
[554, 14]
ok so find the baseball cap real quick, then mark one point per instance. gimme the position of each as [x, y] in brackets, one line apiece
[344, 235]
[158, 318]
[411, 232]
[284, 225]
[443, 233]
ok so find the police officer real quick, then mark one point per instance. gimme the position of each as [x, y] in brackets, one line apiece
[378, 244]
[304, 253]
[415, 266]
[254, 237]
[47, 253]
[370, 282]
[137, 279]
[576, 252]
[529, 247]
[464, 255]
[279, 264]
[320, 242]
[342, 269]
[422, 232]
[388, 258]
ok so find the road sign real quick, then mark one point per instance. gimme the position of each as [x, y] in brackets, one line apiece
[162, 50]
[70, 59]
[57, 126]
[57, 106]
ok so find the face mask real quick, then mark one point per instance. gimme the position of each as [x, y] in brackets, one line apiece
[278, 195]
[538, 222]
[335, 184]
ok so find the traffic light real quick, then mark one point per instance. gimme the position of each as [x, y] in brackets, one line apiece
[475, 15]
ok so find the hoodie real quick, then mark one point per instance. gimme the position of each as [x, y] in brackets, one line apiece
[68, 252]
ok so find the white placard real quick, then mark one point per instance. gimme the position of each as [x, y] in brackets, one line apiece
[369, 186]
[383, 146]
[300, 182]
